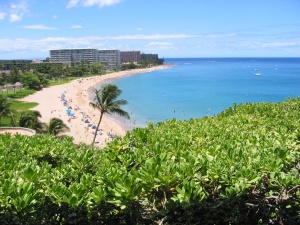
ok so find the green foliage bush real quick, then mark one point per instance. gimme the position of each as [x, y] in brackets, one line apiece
[239, 167]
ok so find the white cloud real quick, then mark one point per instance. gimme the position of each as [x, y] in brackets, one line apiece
[155, 42]
[160, 46]
[89, 3]
[221, 35]
[15, 17]
[76, 27]
[278, 44]
[54, 17]
[72, 3]
[80, 42]
[39, 27]
[2, 15]
[160, 43]
[17, 11]
[168, 36]
[273, 45]
[139, 28]
[83, 42]
[151, 37]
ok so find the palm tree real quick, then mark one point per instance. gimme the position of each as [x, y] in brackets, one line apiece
[12, 118]
[30, 119]
[56, 126]
[106, 101]
[5, 110]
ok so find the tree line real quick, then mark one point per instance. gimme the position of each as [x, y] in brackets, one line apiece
[142, 64]
[38, 76]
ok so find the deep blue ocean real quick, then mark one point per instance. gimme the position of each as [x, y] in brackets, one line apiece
[197, 87]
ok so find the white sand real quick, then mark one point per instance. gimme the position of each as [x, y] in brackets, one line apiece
[51, 105]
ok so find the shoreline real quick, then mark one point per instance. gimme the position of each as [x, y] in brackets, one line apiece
[113, 117]
[76, 95]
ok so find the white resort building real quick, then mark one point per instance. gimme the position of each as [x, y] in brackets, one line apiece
[110, 58]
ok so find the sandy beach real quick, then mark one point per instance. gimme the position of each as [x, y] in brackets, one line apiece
[76, 95]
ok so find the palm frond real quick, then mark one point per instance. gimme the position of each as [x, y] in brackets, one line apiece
[106, 101]
[56, 126]
[5, 110]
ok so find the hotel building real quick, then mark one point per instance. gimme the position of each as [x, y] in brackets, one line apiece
[110, 58]
[130, 56]
[73, 57]
[149, 56]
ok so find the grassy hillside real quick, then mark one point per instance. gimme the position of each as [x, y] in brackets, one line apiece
[240, 167]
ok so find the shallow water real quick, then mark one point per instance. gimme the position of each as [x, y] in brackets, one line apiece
[199, 87]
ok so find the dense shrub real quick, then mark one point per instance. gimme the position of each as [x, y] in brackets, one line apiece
[239, 167]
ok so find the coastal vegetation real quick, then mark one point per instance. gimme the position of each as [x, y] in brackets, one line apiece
[30, 119]
[21, 116]
[238, 167]
[55, 127]
[106, 101]
[5, 108]
[18, 107]
[142, 64]
[22, 81]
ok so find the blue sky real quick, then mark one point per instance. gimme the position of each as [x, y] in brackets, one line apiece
[170, 28]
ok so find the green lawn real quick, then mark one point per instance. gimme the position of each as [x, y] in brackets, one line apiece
[17, 93]
[22, 106]
[19, 107]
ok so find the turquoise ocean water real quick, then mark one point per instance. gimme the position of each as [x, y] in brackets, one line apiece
[197, 87]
